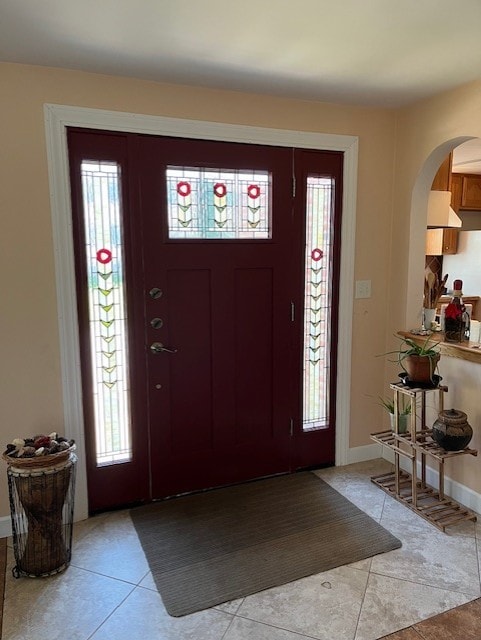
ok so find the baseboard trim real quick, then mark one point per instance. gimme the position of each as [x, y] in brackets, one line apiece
[5, 526]
[361, 454]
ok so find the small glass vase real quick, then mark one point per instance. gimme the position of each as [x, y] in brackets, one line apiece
[429, 318]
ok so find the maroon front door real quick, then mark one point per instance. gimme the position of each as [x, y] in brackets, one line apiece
[221, 404]
[214, 254]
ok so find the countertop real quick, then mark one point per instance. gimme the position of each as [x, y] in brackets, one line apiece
[469, 351]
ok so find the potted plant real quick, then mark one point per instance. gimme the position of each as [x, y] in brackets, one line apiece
[404, 411]
[418, 360]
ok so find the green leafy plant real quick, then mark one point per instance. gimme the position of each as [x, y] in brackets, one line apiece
[404, 407]
[409, 348]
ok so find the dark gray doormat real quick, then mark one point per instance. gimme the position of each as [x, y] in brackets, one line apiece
[215, 546]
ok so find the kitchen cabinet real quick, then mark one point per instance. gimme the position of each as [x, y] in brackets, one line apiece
[465, 188]
[456, 191]
[442, 179]
[441, 241]
[466, 191]
[471, 196]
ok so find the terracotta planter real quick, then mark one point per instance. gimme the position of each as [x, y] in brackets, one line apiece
[421, 368]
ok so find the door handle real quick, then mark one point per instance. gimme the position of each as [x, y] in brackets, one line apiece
[158, 347]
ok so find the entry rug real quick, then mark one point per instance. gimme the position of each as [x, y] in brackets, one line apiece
[215, 546]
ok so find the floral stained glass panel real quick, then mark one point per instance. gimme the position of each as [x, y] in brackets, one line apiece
[317, 302]
[107, 311]
[218, 203]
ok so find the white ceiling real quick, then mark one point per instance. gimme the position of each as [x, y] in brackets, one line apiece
[367, 52]
[467, 157]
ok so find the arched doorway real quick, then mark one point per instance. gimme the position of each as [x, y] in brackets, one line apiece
[418, 225]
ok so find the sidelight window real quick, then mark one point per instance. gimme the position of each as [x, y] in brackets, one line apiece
[317, 301]
[107, 310]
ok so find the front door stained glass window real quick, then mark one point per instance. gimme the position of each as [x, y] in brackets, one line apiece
[221, 204]
[107, 311]
[317, 302]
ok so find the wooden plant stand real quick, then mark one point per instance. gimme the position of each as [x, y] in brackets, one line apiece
[409, 489]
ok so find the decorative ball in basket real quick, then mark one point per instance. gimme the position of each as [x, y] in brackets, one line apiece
[39, 451]
[41, 482]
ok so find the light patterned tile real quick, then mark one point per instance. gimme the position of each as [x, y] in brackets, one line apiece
[148, 582]
[112, 549]
[405, 585]
[143, 616]
[323, 606]
[230, 607]
[477, 527]
[391, 604]
[429, 556]
[69, 605]
[354, 483]
[242, 629]
[394, 510]
[83, 527]
[362, 565]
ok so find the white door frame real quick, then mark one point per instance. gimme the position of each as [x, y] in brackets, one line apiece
[57, 119]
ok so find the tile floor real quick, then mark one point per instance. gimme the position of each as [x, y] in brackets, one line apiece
[108, 593]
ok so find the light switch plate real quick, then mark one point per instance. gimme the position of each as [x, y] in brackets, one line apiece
[363, 288]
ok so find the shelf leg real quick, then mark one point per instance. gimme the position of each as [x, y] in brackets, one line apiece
[423, 414]
[414, 480]
[441, 479]
[396, 474]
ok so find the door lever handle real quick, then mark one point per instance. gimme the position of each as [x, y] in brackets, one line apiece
[158, 347]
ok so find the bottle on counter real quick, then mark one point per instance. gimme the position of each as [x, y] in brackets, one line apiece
[456, 320]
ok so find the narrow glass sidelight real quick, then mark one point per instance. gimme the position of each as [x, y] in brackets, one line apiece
[218, 204]
[317, 301]
[107, 311]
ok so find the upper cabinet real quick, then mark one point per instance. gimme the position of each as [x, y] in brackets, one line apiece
[441, 242]
[466, 191]
[442, 179]
[456, 191]
[465, 187]
[471, 195]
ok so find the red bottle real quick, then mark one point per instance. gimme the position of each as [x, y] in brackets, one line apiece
[456, 319]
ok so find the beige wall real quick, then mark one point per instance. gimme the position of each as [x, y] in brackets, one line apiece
[426, 133]
[389, 231]
[30, 389]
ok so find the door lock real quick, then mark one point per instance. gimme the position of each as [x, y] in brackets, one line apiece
[155, 293]
[156, 323]
[158, 347]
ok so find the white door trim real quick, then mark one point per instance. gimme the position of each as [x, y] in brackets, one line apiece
[57, 119]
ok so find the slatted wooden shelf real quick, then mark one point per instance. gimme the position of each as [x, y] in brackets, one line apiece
[415, 446]
[391, 440]
[441, 512]
[433, 449]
